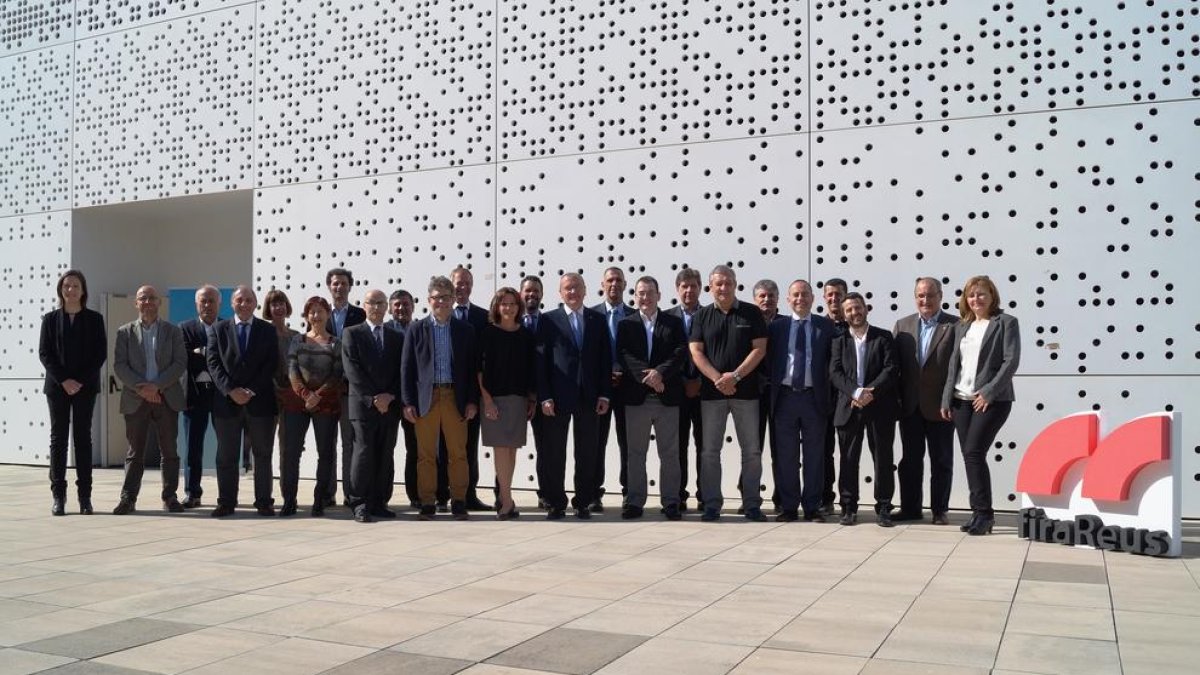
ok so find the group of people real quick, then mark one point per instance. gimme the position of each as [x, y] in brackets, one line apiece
[800, 383]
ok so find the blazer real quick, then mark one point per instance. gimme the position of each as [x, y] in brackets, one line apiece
[370, 372]
[921, 386]
[83, 367]
[689, 369]
[573, 377]
[354, 316]
[478, 318]
[667, 354]
[999, 356]
[416, 380]
[129, 363]
[820, 348]
[195, 336]
[881, 372]
[396, 326]
[254, 370]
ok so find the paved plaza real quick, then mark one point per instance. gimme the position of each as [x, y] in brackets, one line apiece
[184, 593]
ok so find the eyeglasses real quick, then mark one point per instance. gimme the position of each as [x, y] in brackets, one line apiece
[441, 298]
[374, 303]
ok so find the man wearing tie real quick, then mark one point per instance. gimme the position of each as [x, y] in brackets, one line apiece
[651, 350]
[687, 290]
[200, 389]
[798, 369]
[371, 360]
[924, 344]
[574, 382]
[344, 315]
[864, 371]
[243, 354]
[614, 310]
[440, 389]
[149, 358]
[477, 317]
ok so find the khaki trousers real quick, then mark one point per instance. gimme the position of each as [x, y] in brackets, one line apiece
[443, 417]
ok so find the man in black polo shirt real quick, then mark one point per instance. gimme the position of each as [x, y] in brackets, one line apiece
[728, 340]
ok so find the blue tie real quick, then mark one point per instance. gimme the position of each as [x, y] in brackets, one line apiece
[243, 338]
[461, 313]
[612, 332]
[379, 339]
[578, 330]
[800, 348]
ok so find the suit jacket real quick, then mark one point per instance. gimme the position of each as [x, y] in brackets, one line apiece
[195, 337]
[129, 363]
[820, 348]
[573, 377]
[396, 326]
[254, 370]
[921, 386]
[416, 383]
[689, 369]
[369, 371]
[478, 318]
[354, 316]
[667, 355]
[999, 356]
[881, 372]
[84, 365]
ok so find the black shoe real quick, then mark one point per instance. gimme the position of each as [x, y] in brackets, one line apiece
[362, 515]
[543, 504]
[908, 516]
[221, 511]
[329, 502]
[511, 514]
[85, 506]
[124, 507]
[383, 512]
[173, 506]
[787, 516]
[596, 506]
[683, 506]
[755, 515]
[826, 509]
[583, 514]
[673, 512]
[191, 502]
[427, 512]
[631, 513]
[267, 511]
[58, 507]
[941, 519]
[969, 524]
[459, 510]
[982, 526]
[741, 510]
[556, 514]
[848, 518]
[476, 504]
[288, 509]
[710, 515]
[318, 510]
[443, 507]
[884, 519]
[814, 517]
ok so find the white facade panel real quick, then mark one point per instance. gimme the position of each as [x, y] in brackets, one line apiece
[34, 250]
[35, 131]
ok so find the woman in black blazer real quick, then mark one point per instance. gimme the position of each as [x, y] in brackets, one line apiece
[979, 391]
[73, 347]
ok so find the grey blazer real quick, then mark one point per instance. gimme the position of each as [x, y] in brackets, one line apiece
[999, 356]
[921, 386]
[129, 362]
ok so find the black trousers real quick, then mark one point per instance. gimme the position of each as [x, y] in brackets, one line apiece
[829, 496]
[616, 411]
[325, 430]
[346, 432]
[917, 433]
[138, 424]
[552, 467]
[537, 426]
[689, 421]
[261, 431]
[372, 462]
[880, 434]
[195, 427]
[410, 461]
[71, 419]
[976, 433]
[766, 435]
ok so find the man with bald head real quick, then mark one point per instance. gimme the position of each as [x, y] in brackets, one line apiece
[242, 356]
[149, 358]
[200, 389]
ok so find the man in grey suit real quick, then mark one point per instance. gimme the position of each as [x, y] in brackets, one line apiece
[924, 343]
[149, 359]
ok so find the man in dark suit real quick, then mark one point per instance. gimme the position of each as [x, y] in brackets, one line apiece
[243, 354]
[651, 350]
[924, 344]
[400, 305]
[531, 297]
[440, 389]
[574, 378]
[766, 298]
[687, 290]
[477, 317]
[149, 358]
[200, 389]
[344, 315]
[832, 292]
[371, 359]
[864, 371]
[798, 353]
[613, 309]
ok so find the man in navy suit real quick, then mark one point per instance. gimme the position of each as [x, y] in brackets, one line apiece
[344, 315]
[371, 360]
[531, 298]
[798, 352]
[613, 309]
[864, 371]
[200, 389]
[242, 355]
[574, 378]
[440, 389]
[465, 310]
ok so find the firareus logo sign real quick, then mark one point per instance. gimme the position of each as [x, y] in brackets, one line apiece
[1118, 491]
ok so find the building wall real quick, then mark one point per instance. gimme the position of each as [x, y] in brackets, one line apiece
[1050, 145]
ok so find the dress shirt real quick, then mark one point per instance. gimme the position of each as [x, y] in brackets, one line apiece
[926, 328]
[203, 375]
[796, 322]
[339, 319]
[612, 317]
[648, 324]
[238, 328]
[531, 321]
[442, 373]
[377, 335]
[972, 342]
[576, 320]
[149, 336]
[860, 350]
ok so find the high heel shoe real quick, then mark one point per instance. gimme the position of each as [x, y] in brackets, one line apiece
[982, 526]
[966, 527]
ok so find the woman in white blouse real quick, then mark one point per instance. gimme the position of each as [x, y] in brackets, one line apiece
[979, 392]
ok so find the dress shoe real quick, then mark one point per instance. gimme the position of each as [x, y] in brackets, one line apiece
[940, 519]
[710, 515]
[191, 503]
[741, 510]
[631, 512]
[173, 506]
[383, 512]
[981, 526]
[787, 516]
[124, 507]
[511, 514]
[755, 514]
[848, 518]
[583, 514]
[443, 507]
[362, 515]
[288, 509]
[221, 511]
[884, 519]
[969, 524]
[908, 516]
[328, 502]
[556, 514]
[596, 506]
[266, 510]
[683, 507]
[826, 509]
[673, 512]
[543, 504]
[58, 508]
[476, 504]
[318, 510]
[814, 517]
[427, 512]
[85, 506]
[459, 510]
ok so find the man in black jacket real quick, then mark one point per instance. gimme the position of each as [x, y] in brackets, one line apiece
[199, 389]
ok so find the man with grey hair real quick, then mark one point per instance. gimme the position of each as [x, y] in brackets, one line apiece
[728, 340]
[200, 389]
[766, 298]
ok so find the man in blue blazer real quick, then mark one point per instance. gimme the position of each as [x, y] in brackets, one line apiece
[200, 389]
[574, 381]
[243, 354]
[440, 389]
[798, 352]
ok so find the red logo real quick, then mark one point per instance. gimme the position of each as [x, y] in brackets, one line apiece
[1112, 462]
